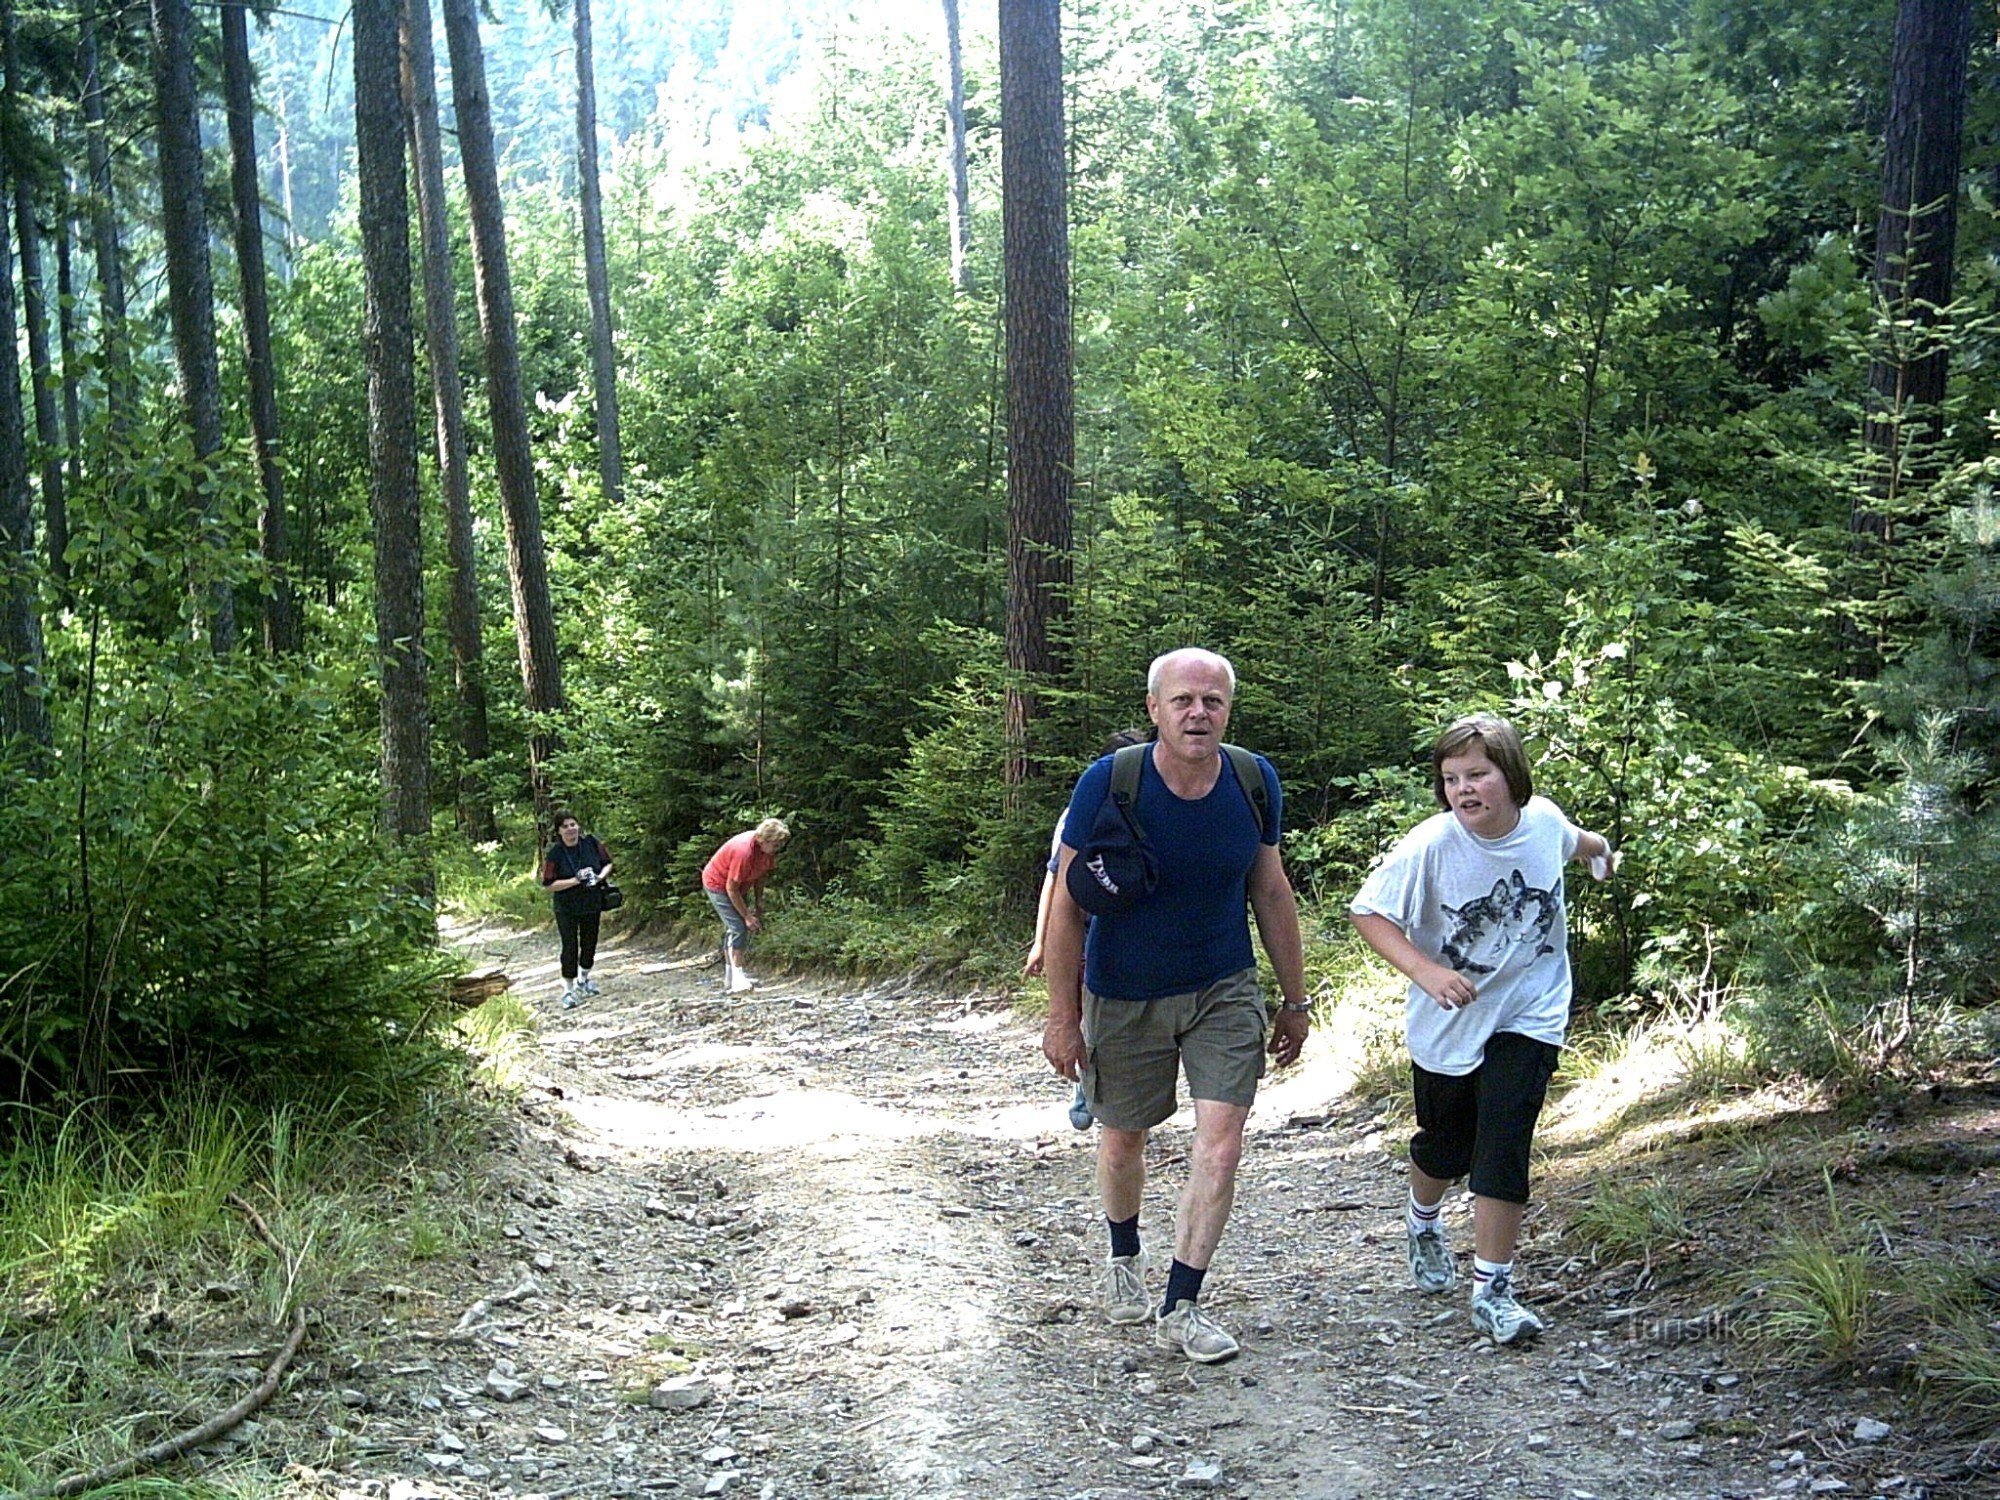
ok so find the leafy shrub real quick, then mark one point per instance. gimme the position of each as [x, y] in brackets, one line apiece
[205, 885]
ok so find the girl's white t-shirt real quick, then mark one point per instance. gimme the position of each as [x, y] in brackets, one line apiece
[1492, 909]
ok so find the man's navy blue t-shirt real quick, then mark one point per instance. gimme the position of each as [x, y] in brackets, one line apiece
[1193, 930]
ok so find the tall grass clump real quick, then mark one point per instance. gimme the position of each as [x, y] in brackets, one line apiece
[1821, 1286]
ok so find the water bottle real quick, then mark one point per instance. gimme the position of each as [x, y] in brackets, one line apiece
[1079, 1109]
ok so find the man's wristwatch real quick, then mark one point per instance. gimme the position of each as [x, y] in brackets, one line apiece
[1297, 1007]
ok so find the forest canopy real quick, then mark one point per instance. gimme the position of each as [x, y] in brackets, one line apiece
[1627, 369]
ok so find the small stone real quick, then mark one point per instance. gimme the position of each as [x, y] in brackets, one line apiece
[551, 1434]
[443, 1460]
[657, 1208]
[721, 1453]
[450, 1442]
[794, 1307]
[1828, 1486]
[1202, 1474]
[545, 1261]
[1142, 1442]
[680, 1393]
[720, 1483]
[1868, 1430]
[1538, 1444]
[355, 1399]
[1677, 1432]
[505, 1387]
[1027, 1239]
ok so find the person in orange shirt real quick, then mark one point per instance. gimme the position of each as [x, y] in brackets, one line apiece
[733, 881]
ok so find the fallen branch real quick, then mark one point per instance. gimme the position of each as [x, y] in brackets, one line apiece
[186, 1442]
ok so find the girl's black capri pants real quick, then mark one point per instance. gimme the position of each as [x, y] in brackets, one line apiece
[1481, 1124]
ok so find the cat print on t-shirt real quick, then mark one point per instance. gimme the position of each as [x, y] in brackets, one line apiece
[1485, 929]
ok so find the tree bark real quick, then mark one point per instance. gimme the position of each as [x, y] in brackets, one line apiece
[527, 568]
[281, 632]
[72, 401]
[958, 194]
[597, 279]
[114, 347]
[475, 739]
[1040, 412]
[389, 349]
[1916, 236]
[23, 710]
[35, 307]
[190, 288]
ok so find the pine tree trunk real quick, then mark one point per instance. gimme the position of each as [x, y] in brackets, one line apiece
[72, 401]
[23, 711]
[597, 279]
[281, 632]
[112, 340]
[190, 288]
[527, 569]
[1040, 414]
[958, 197]
[475, 740]
[35, 310]
[389, 348]
[1916, 236]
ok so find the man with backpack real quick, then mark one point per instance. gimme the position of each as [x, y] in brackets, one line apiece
[1165, 844]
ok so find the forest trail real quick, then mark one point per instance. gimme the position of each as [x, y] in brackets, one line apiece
[841, 1241]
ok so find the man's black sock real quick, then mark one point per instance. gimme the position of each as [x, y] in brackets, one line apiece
[1183, 1285]
[1124, 1236]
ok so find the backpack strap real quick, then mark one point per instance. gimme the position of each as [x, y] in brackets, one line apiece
[1250, 777]
[1127, 764]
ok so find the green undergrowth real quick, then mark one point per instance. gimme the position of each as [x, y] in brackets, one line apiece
[133, 1241]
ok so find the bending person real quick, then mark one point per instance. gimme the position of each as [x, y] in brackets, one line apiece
[733, 881]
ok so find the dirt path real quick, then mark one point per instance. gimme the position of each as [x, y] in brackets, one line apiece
[819, 1241]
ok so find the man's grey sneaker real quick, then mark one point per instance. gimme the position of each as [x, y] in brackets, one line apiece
[1496, 1314]
[1197, 1335]
[1431, 1265]
[588, 986]
[1124, 1286]
[572, 998]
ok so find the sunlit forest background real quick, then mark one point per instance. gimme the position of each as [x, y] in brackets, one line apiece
[1510, 354]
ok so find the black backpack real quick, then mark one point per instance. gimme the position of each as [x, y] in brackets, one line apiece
[1114, 867]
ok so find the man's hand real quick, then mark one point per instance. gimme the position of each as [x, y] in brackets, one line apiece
[1288, 1036]
[1063, 1046]
[754, 920]
[1448, 987]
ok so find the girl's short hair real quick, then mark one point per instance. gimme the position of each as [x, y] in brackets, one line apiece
[772, 831]
[1502, 743]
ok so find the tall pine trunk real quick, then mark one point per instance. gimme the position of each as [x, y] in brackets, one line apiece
[389, 349]
[527, 568]
[281, 632]
[55, 537]
[597, 279]
[23, 711]
[958, 193]
[1916, 232]
[1916, 236]
[475, 739]
[190, 288]
[1041, 440]
[34, 304]
[114, 345]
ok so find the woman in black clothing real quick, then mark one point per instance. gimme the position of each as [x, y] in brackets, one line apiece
[571, 871]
